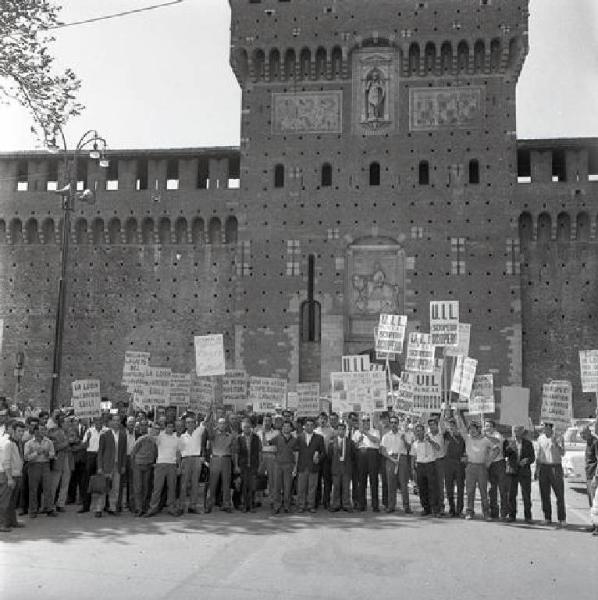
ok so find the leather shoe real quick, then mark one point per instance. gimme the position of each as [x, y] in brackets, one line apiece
[83, 510]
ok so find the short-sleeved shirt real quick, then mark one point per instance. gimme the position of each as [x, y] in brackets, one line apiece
[423, 451]
[223, 444]
[477, 449]
[394, 444]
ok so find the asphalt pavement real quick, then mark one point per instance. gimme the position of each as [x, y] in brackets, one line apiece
[300, 557]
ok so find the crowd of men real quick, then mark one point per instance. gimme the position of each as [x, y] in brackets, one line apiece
[191, 464]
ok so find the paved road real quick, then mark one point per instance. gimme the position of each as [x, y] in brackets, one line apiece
[293, 557]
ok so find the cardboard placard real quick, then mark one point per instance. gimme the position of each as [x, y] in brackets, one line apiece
[357, 362]
[158, 386]
[390, 334]
[427, 389]
[444, 323]
[209, 355]
[557, 404]
[464, 376]
[359, 391]
[87, 398]
[235, 389]
[308, 399]
[514, 405]
[265, 393]
[462, 348]
[588, 366]
[292, 401]
[135, 365]
[180, 389]
[202, 395]
[482, 394]
[420, 353]
[403, 400]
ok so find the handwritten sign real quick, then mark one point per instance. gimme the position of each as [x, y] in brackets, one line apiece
[235, 389]
[427, 389]
[135, 365]
[87, 398]
[403, 400]
[180, 389]
[463, 376]
[359, 391]
[482, 394]
[158, 386]
[462, 348]
[444, 323]
[308, 399]
[202, 395]
[265, 393]
[557, 404]
[588, 362]
[420, 353]
[209, 355]
[390, 334]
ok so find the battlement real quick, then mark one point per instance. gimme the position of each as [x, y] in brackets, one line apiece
[306, 40]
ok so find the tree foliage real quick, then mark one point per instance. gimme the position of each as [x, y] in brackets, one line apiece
[27, 69]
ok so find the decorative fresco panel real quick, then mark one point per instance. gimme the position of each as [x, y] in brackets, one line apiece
[437, 108]
[307, 112]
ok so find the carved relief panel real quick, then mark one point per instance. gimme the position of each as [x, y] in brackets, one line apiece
[307, 112]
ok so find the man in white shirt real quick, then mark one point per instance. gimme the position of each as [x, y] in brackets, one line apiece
[165, 470]
[423, 454]
[394, 447]
[91, 441]
[266, 434]
[7, 482]
[367, 443]
[437, 435]
[550, 474]
[192, 444]
[497, 473]
[327, 431]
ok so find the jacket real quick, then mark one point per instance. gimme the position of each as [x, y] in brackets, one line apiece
[305, 460]
[334, 451]
[527, 451]
[107, 454]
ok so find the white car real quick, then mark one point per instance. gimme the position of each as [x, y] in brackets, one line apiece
[574, 461]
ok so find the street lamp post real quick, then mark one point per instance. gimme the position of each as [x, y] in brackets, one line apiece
[69, 195]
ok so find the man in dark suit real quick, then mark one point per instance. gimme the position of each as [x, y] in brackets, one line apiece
[112, 459]
[311, 450]
[342, 458]
[519, 454]
[250, 457]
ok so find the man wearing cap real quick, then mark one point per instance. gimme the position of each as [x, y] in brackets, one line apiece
[519, 456]
[367, 443]
[224, 457]
[550, 473]
[394, 447]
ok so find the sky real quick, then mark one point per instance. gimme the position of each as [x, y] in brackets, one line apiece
[161, 79]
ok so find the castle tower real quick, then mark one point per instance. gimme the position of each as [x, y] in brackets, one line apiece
[378, 165]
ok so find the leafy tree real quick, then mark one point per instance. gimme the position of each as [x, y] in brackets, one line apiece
[27, 73]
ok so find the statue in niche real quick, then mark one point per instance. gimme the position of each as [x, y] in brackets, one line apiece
[375, 95]
[374, 294]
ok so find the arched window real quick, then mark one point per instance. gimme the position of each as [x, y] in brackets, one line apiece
[563, 227]
[326, 175]
[274, 64]
[242, 63]
[321, 58]
[164, 231]
[215, 231]
[198, 235]
[526, 227]
[495, 51]
[544, 227]
[231, 228]
[337, 62]
[31, 231]
[305, 63]
[413, 58]
[81, 231]
[2, 231]
[424, 172]
[479, 56]
[474, 171]
[446, 56]
[259, 60]
[16, 231]
[147, 231]
[430, 54]
[131, 231]
[114, 231]
[97, 231]
[375, 173]
[279, 176]
[180, 230]
[289, 64]
[583, 227]
[463, 56]
[49, 231]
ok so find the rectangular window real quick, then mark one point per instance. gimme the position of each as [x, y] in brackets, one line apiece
[293, 257]
[141, 182]
[172, 174]
[203, 173]
[22, 176]
[458, 256]
[52, 181]
[333, 234]
[112, 176]
[513, 266]
[234, 173]
[417, 233]
[524, 166]
[244, 262]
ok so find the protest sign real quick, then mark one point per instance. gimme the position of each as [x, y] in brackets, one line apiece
[235, 389]
[557, 404]
[420, 353]
[358, 362]
[427, 389]
[359, 391]
[444, 323]
[87, 398]
[588, 363]
[462, 348]
[308, 399]
[463, 376]
[292, 400]
[514, 405]
[202, 395]
[482, 394]
[158, 386]
[135, 364]
[209, 355]
[180, 389]
[403, 400]
[265, 393]
[390, 334]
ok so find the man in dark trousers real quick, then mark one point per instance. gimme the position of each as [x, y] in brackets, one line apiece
[310, 446]
[519, 454]
[250, 457]
[591, 463]
[112, 459]
[342, 460]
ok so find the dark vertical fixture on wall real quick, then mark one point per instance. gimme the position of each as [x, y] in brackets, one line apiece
[310, 329]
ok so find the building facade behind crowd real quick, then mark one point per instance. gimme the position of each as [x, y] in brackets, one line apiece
[148, 463]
